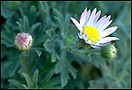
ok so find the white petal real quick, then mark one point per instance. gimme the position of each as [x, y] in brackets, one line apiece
[90, 22]
[101, 44]
[107, 39]
[89, 42]
[87, 17]
[96, 17]
[100, 27]
[79, 35]
[83, 16]
[77, 24]
[101, 20]
[106, 25]
[108, 31]
[95, 46]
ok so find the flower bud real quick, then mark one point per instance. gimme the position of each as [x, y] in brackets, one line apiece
[23, 41]
[109, 51]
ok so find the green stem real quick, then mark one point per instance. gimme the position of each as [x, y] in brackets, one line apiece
[24, 62]
[94, 51]
[80, 44]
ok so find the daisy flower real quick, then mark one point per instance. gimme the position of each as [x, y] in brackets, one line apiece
[94, 30]
[23, 41]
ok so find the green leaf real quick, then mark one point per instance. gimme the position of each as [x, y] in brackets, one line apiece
[6, 39]
[79, 54]
[39, 52]
[55, 56]
[15, 83]
[6, 12]
[64, 77]
[47, 45]
[26, 87]
[47, 67]
[64, 67]
[47, 77]
[60, 23]
[45, 7]
[7, 43]
[70, 40]
[28, 80]
[94, 84]
[57, 13]
[14, 68]
[33, 9]
[19, 25]
[98, 59]
[34, 26]
[7, 35]
[50, 32]
[67, 22]
[13, 4]
[34, 14]
[72, 71]
[52, 84]
[26, 23]
[48, 83]
[35, 78]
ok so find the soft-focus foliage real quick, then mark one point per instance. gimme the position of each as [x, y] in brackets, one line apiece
[56, 59]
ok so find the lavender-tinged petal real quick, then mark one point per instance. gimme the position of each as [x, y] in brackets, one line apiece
[83, 16]
[101, 44]
[85, 36]
[77, 24]
[97, 47]
[96, 17]
[101, 20]
[108, 31]
[108, 18]
[103, 23]
[92, 17]
[108, 39]
[87, 17]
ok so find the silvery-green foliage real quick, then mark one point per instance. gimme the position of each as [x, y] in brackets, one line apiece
[58, 58]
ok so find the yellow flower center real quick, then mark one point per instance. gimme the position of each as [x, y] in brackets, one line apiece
[92, 33]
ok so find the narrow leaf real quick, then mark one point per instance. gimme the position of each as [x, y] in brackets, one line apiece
[67, 20]
[6, 12]
[47, 77]
[60, 23]
[57, 13]
[64, 77]
[50, 32]
[20, 26]
[34, 26]
[39, 52]
[35, 78]
[15, 83]
[55, 56]
[72, 71]
[47, 45]
[28, 80]
[26, 23]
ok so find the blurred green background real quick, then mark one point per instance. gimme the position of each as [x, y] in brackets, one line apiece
[39, 16]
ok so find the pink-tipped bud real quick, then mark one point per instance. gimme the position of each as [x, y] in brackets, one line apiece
[23, 41]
